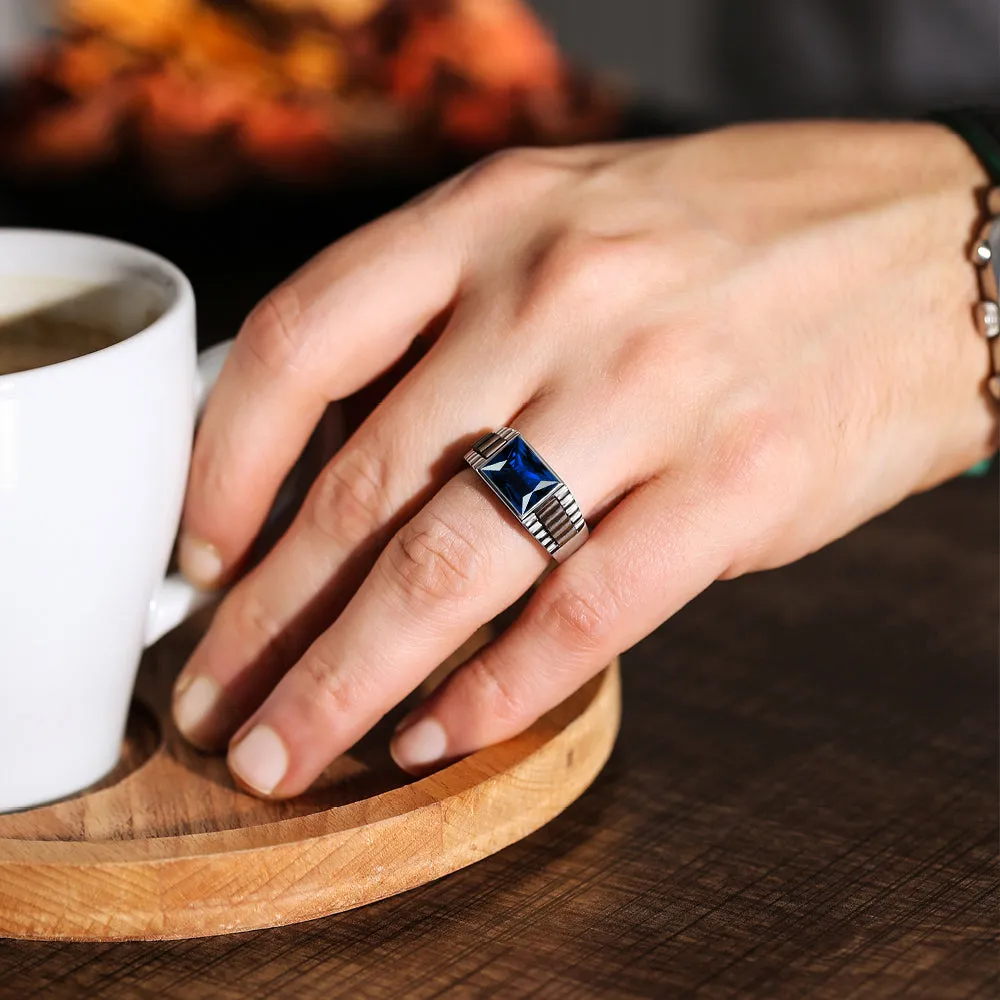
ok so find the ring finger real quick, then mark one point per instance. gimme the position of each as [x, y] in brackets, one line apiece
[460, 561]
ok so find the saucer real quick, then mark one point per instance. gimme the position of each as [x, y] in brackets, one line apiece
[167, 847]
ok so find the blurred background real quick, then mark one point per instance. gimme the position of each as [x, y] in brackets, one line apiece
[714, 61]
[238, 137]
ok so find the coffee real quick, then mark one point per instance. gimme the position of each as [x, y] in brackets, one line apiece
[40, 339]
[46, 319]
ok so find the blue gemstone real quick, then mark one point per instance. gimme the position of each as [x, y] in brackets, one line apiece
[520, 476]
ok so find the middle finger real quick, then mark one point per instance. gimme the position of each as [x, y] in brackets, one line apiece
[460, 561]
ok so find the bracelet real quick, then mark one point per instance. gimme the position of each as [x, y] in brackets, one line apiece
[980, 129]
[986, 256]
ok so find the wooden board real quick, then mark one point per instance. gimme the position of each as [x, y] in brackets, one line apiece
[167, 847]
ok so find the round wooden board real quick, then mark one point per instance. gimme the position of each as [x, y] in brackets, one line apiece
[167, 847]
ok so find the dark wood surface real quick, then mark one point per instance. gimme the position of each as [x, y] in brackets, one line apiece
[803, 804]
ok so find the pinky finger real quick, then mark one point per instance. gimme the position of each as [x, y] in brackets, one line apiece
[659, 548]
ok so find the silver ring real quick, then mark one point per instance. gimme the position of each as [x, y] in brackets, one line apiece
[530, 490]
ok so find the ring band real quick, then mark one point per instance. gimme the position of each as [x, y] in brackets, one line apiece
[530, 490]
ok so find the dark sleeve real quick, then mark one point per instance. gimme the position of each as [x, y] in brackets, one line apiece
[980, 128]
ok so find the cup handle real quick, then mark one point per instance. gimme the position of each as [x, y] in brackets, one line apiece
[176, 599]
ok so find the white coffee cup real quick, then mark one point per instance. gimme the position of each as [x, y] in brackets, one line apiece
[94, 457]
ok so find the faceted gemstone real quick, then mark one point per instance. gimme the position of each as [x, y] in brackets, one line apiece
[520, 476]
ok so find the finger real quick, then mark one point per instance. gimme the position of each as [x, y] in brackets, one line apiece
[345, 317]
[387, 469]
[454, 566]
[662, 545]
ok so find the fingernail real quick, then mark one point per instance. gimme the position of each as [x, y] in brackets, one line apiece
[418, 745]
[260, 759]
[194, 699]
[200, 562]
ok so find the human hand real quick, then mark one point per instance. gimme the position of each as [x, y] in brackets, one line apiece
[734, 347]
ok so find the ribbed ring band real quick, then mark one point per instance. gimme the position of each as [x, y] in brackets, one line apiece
[530, 490]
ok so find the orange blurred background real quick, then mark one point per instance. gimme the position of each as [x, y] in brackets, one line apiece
[212, 93]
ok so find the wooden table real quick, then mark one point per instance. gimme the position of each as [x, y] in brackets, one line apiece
[803, 804]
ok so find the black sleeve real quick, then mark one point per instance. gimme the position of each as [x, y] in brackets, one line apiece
[980, 128]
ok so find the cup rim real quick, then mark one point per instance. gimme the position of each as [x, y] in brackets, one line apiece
[184, 298]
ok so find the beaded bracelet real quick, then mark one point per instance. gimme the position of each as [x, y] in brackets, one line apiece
[986, 256]
[980, 129]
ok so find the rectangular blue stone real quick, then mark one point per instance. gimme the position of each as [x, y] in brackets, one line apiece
[518, 474]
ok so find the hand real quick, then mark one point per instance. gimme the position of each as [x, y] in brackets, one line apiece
[734, 347]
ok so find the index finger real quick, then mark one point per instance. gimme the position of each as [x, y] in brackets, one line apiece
[340, 321]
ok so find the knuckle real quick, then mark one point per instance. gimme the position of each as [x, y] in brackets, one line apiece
[334, 692]
[243, 615]
[349, 500]
[574, 268]
[430, 560]
[579, 616]
[677, 265]
[639, 362]
[496, 698]
[517, 168]
[687, 345]
[756, 455]
[697, 356]
[273, 332]
[765, 465]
